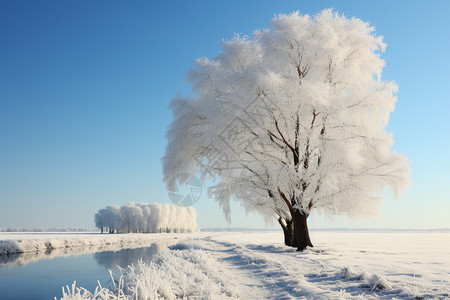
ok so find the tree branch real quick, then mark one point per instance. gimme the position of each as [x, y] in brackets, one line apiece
[280, 220]
[284, 139]
[291, 209]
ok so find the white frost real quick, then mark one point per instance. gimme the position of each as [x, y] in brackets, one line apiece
[146, 217]
[343, 265]
[74, 243]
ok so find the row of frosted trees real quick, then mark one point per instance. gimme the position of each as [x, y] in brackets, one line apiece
[146, 218]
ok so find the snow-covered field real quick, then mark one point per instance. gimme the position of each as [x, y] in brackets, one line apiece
[256, 265]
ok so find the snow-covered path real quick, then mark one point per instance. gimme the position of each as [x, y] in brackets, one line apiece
[360, 265]
[258, 275]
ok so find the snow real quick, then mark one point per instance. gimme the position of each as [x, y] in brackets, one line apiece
[74, 243]
[342, 265]
[57, 229]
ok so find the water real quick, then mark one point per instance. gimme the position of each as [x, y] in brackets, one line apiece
[25, 278]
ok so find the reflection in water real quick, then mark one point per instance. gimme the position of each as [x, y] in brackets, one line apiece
[10, 259]
[22, 259]
[49, 271]
[125, 257]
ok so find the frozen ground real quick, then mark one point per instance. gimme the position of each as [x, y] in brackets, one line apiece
[255, 265]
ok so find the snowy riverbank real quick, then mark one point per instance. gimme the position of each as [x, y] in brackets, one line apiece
[342, 265]
[13, 243]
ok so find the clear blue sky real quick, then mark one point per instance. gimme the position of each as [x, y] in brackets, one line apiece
[85, 85]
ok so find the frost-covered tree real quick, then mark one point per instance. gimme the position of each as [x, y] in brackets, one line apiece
[113, 219]
[100, 219]
[146, 217]
[291, 120]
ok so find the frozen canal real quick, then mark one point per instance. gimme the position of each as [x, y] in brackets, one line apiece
[43, 279]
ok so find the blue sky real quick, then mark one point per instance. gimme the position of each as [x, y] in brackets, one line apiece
[85, 86]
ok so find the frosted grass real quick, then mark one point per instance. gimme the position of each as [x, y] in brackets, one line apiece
[342, 265]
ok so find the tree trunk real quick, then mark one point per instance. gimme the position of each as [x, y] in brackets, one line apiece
[296, 232]
[289, 233]
[301, 232]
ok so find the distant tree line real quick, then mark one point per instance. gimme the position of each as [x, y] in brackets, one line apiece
[146, 218]
[64, 229]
